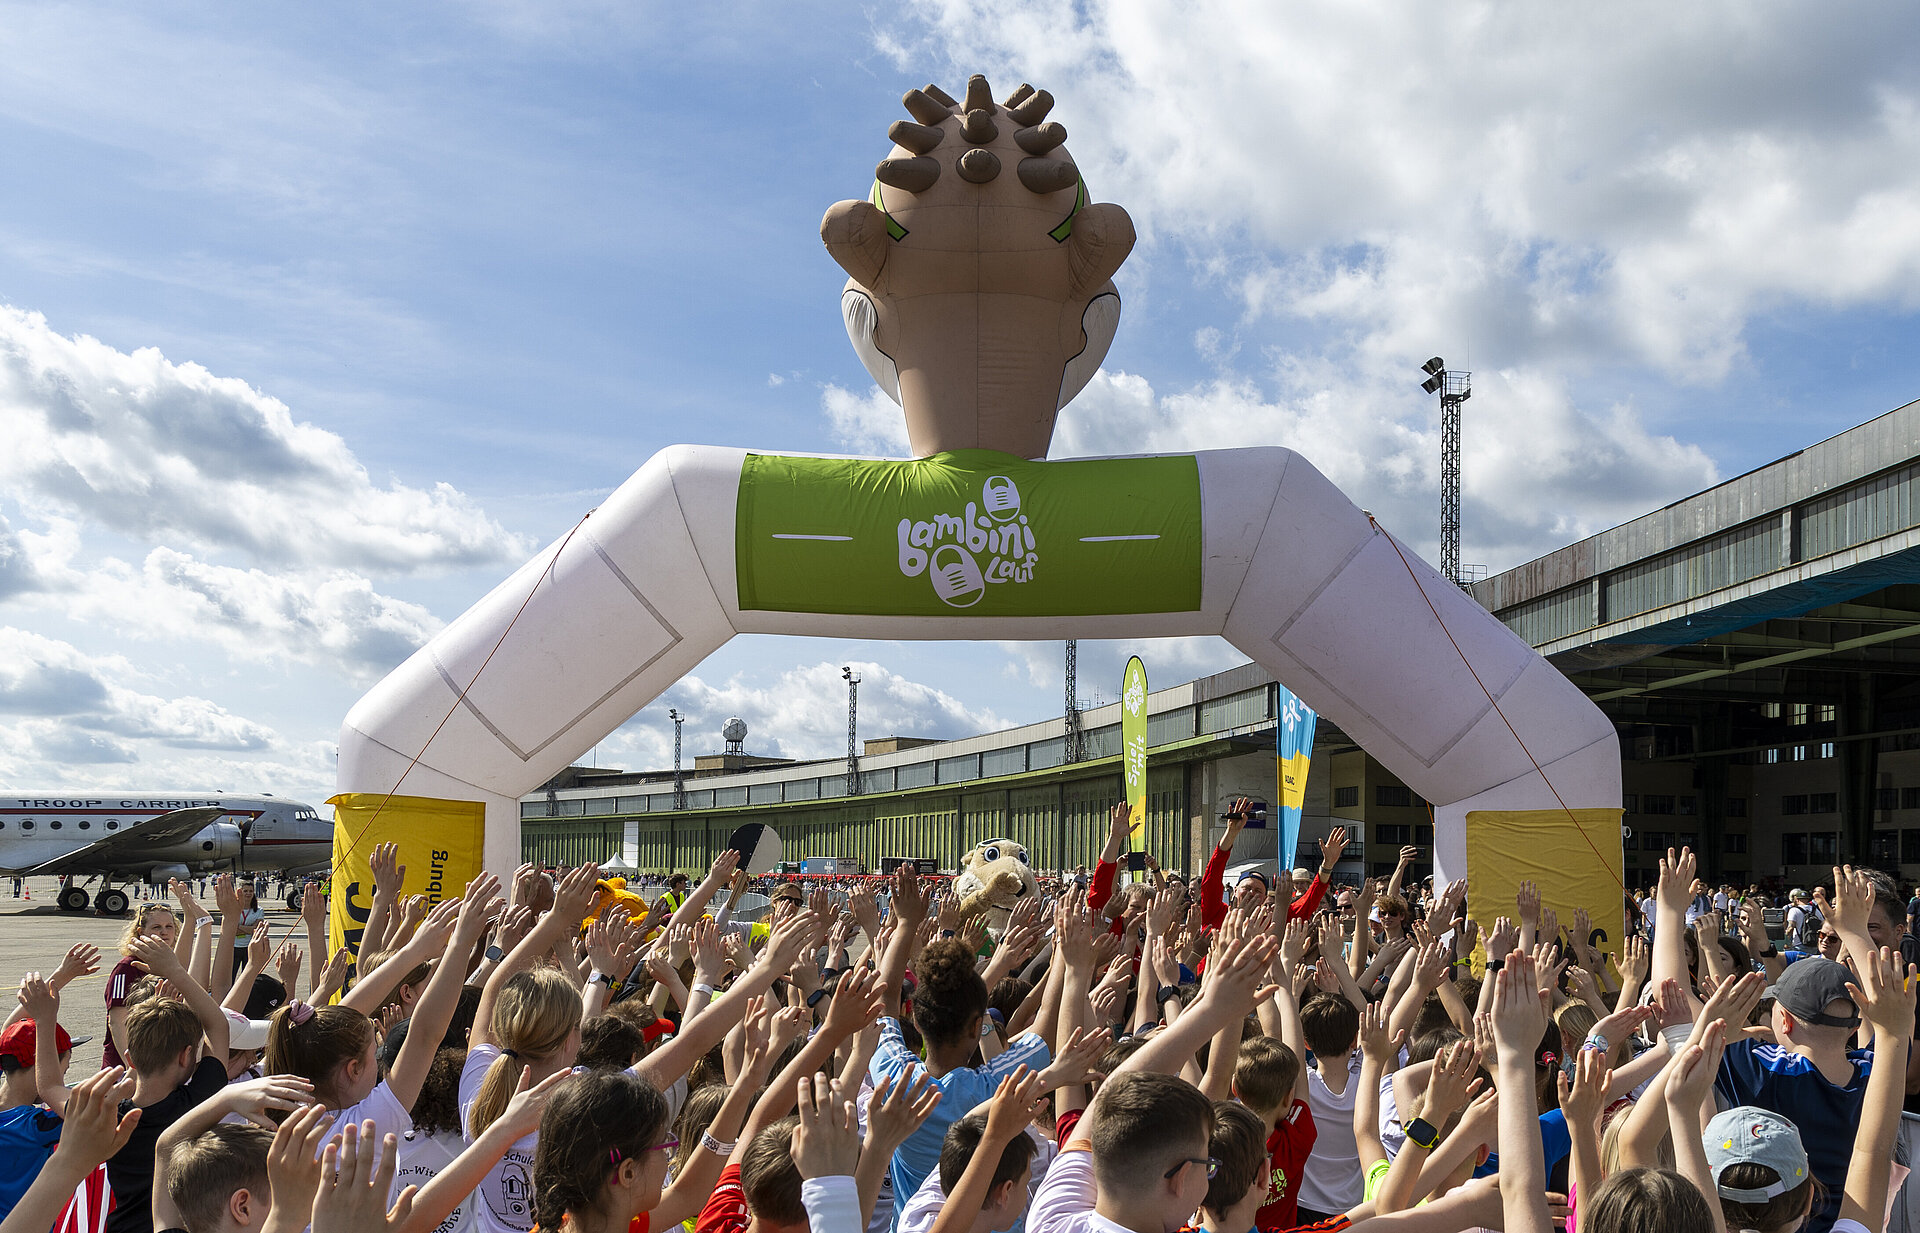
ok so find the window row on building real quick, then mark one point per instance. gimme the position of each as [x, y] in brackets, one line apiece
[1216, 715]
[1866, 510]
[1063, 825]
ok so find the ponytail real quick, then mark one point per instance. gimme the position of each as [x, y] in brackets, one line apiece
[313, 1042]
[533, 1016]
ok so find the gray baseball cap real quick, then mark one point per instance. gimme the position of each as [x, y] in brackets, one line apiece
[1746, 1135]
[1810, 985]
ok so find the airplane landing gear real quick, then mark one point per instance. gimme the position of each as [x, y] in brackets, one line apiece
[112, 900]
[293, 900]
[72, 898]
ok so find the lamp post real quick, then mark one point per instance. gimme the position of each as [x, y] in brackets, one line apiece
[1454, 388]
[853, 723]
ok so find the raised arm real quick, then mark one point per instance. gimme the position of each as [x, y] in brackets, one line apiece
[1885, 995]
[434, 1011]
[163, 963]
[909, 910]
[717, 877]
[1519, 1020]
[389, 875]
[570, 902]
[677, 1056]
[1674, 892]
[313, 912]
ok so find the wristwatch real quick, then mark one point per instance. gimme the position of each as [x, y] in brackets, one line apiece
[600, 978]
[1421, 1133]
[1167, 994]
[1494, 965]
[495, 953]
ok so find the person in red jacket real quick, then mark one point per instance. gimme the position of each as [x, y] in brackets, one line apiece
[1252, 889]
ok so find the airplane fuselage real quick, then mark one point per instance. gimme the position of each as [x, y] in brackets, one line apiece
[251, 834]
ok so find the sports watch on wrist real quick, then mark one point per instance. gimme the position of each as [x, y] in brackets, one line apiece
[1421, 1133]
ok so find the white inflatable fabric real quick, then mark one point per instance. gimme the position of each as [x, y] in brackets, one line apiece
[1290, 572]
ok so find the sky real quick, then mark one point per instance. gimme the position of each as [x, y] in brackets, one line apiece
[315, 322]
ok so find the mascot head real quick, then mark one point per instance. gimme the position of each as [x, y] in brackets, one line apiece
[994, 878]
[610, 895]
[979, 290]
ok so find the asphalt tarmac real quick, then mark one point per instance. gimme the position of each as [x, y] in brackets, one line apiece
[35, 934]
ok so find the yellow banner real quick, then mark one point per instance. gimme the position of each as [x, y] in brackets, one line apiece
[439, 849]
[1293, 779]
[1576, 862]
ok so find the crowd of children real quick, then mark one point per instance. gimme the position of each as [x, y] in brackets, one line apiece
[1150, 1058]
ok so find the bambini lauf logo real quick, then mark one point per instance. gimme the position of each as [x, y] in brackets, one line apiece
[950, 548]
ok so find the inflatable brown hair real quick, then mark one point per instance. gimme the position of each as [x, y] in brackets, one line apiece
[980, 291]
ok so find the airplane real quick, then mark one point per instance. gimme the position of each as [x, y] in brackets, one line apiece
[132, 836]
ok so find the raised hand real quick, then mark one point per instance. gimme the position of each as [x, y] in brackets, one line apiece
[1375, 1045]
[1735, 999]
[256, 1098]
[909, 896]
[93, 1130]
[1502, 938]
[293, 1162]
[1885, 995]
[313, 907]
[1671, 1008]
[356, 1174]
[1622, 1023]
[827, 1141]
[1012, 1108]
[857, 1000]
[1519, 1009]
[528, 1102]
[82, 959]
[1449, 903]
[1528, 903]
[224, 896]
[1853, 901]
[899, 1106]
[157, 957]
[573, 898]
[1164, 911]
[1077, 1061]
[286, 965]
[1689, 1082]
[1584, 1098]
[388, 872]
[1675, 885]
[260, 946]
[1453, 1081]
[723, 867]
[865, 909]
[1330, 849]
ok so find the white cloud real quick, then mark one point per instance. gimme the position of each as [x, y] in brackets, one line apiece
[1538, 470]
[1636, 178]
[161, 451]
[1545, 196]
[799, 713]
[867, 422]
[67, 706]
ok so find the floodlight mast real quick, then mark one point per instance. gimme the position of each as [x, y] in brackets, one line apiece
[853, 723]
[1454, 387]
[679, 783]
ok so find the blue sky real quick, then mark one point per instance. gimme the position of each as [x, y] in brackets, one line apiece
[318, 322]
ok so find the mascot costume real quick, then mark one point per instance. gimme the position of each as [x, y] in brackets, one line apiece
[980, 297]
[994, 877]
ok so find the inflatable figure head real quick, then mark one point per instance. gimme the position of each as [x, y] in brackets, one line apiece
[610, 895]
[994, 877]
[980, 291]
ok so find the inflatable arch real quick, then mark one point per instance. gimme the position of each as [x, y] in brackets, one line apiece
[983, 302]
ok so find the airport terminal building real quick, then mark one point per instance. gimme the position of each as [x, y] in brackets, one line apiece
[1757, 646]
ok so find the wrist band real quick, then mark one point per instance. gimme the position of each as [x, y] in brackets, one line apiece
[714, 1145]
[701, 987]
[1676, 1036]
[205, 922]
